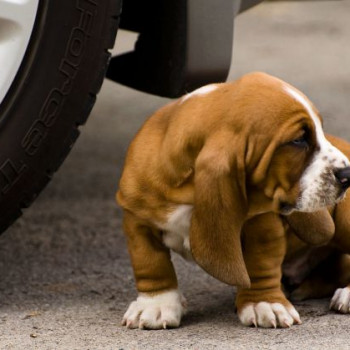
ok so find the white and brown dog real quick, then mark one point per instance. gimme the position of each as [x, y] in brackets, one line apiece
[212, 172]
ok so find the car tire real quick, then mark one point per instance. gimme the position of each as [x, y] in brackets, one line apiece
[52, 95]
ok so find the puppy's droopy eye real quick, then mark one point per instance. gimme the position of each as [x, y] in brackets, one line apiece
[300, 142]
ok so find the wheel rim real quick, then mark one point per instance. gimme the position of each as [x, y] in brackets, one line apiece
[17, 18]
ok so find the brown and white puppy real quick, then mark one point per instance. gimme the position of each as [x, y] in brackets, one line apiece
[317, 272]
[215, 167]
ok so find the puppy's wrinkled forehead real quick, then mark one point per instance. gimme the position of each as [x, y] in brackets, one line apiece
[321, 142]
[309, 109]
[324, 146]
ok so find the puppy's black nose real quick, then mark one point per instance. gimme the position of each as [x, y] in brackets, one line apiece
[343, 177]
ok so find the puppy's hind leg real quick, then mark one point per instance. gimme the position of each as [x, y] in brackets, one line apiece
[159, 303]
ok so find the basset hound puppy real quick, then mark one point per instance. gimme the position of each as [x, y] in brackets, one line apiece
[209, 176]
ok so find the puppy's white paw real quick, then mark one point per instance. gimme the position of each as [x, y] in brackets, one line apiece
[269, 315]
[341, 300]
[159, 311]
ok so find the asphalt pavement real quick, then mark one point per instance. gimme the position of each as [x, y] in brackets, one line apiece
[66, 279]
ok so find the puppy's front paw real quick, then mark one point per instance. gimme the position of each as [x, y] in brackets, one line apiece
[158, 311]
[268, 315]
[341, 300]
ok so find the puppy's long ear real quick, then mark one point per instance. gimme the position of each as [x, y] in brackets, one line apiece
[220, 208]
[315, 228]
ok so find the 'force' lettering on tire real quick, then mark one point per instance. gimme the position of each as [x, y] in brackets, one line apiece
[69, 65]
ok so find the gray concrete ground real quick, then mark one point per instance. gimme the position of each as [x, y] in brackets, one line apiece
[65, 274]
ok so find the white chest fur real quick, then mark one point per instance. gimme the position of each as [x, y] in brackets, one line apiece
[176, 230]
